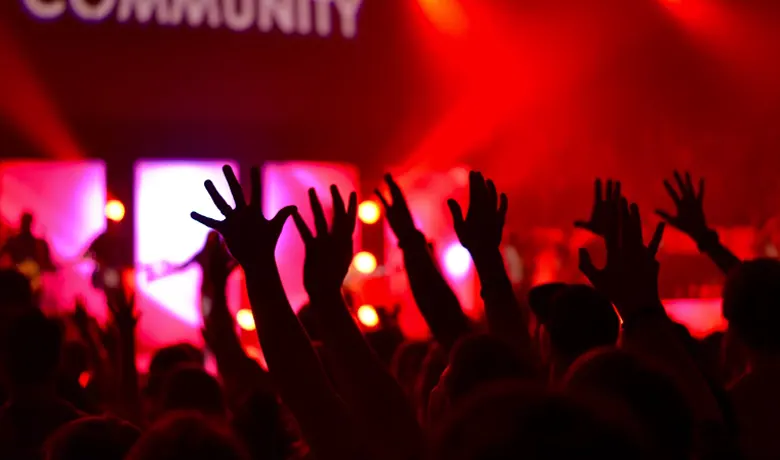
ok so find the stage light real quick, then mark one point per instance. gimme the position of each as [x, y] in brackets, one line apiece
[364, 262]
[245, 320]
[115, 210]
[368, 316]
[368, 211]
[457, 260]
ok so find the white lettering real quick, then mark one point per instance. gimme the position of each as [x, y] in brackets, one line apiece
[92, 11]
[44, 9]
[143, 10]
[322, 19]
[348, 10]
[196, 12]
[279, 12]
[304, 17]
[236, 20]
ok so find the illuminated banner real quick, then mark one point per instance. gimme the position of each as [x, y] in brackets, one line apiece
[302, 17]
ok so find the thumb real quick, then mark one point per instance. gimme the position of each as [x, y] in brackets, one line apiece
[586, 266]
[457, 214]
[277, 223]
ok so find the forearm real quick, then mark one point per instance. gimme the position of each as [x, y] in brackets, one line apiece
[502, 310]
[365, 385]
[653, 336]
[437, 302]
[295, 368]
[709, 243]
[130, 398]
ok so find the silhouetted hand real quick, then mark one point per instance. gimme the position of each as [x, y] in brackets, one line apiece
[690, 209]
[80, 316]
[250, 237]
[398, 214]
[630, 276]
[328, 254]
[122, 310]
[484, 222]
[601, 201]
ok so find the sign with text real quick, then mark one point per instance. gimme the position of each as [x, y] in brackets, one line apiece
[303, 17]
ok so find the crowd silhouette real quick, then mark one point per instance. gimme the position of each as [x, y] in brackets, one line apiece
[569, 371]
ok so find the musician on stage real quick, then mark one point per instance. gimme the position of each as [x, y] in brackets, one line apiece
[107, 251]
[29, 254]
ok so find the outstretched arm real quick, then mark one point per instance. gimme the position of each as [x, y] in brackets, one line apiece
[122, 312]
[691, 221]
[480, 232]
[437, 302]
[292, 361]
[370, 392]
[630, 280]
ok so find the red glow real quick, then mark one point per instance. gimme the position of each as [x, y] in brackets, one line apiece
[447, 16]
[24, 102]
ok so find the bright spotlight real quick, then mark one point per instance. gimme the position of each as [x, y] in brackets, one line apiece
[115, 210]
[245, 320]
[368, 211]
[368, 316]
[457, 260]
[364, 262]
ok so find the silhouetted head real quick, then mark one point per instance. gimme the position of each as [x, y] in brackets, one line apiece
[475, 361]
[751, 304]
[578, 320]
[407, 363]
[164, 362]
[511, 420]
[260, 423]
[15, 291]
[653, 400]
[31, 350]
[191, 388]
[103, 438]
[187, 436]
[25, 223]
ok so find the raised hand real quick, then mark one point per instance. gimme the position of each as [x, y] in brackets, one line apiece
[328, 253]
[603, 200]
[484, 222]
[689, 217]
[122, 310]
[630, 276]
[250, 237]
[398, 214]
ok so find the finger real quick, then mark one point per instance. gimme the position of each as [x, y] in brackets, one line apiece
[598, 196]
[457, 214]
[475, 187]
[303, 229]
[219, 202]
[339, 209]
[395, 191]
[352, 208]
[609, 195]
[382, 199]
[664, 215]
[277, 223]
[680, 183]
[503, 205]
[655, 241]
[235, 186]
[254, 198]
[320, 222]
[635, 224]
[492, 195]
[700, 197]
[672, 192]
[689, 185]
[207, 221]
[616, 191]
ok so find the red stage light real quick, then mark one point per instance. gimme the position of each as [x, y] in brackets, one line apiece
[368, 316]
